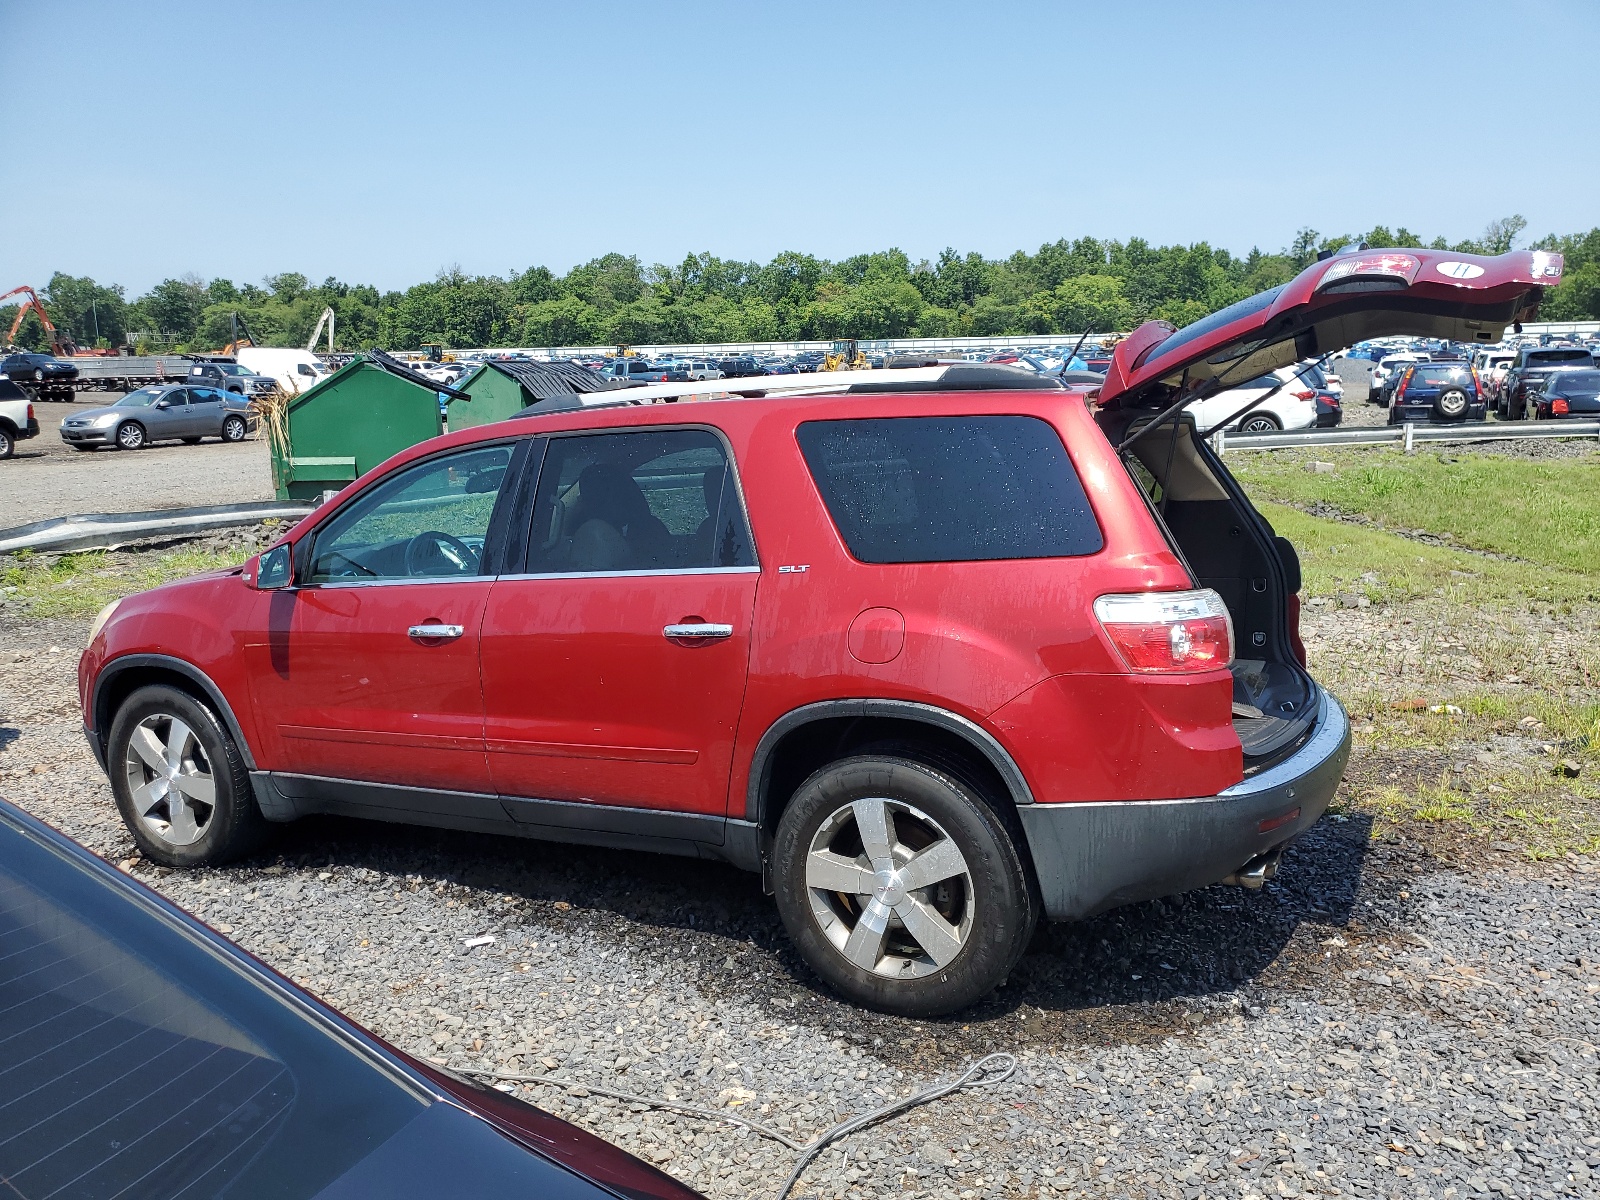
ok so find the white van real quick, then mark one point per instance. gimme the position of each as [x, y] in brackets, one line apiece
[295, 370]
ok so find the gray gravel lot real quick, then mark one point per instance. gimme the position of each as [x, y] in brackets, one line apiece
[47, 478]
[1378, 1021]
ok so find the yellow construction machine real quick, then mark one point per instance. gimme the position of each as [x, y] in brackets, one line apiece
[845, 356]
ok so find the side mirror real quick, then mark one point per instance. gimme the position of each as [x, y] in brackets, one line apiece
[275, 569]
[163, 403]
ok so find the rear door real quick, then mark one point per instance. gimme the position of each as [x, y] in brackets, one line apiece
[614, 664]
[205, 412]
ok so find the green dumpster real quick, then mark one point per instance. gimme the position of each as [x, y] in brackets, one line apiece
[503, 387]
[349, 423]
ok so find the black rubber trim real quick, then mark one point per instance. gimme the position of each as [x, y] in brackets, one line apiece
[906, 710]
[131, 662]
[1093, 856]
[286, 796]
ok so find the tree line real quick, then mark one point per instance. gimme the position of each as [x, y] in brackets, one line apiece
[1064, 287]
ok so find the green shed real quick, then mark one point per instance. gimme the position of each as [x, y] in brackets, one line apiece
[502, 387]
[350, 422]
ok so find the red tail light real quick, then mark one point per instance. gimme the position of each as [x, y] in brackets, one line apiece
[1477, 385]
[30, 413]
[1305, 395]
[1558, 407]
[1170, 632]
[1401, 390]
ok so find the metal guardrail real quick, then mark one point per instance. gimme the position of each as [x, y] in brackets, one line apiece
[1408, 435]
[104, 531]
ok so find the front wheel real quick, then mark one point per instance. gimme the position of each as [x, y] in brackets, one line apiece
[38, 375]
[901, 886]
[130, 436]
[233, 429]
[1260, 423]
[180, 781]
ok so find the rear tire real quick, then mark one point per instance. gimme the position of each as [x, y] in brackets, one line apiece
[180, 781]
[130, 436]
[917, 941]
[8, 444]
[1260, 423]
[234, 429]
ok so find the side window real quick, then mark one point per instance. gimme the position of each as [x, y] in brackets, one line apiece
[950, 489]
[429, 521]
[637, 501]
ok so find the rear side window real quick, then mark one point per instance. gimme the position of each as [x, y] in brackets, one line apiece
[950, 489]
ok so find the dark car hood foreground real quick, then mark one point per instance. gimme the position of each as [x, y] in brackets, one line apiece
[142, 1053]
[1335, 303]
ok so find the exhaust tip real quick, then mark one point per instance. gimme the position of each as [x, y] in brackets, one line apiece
[1255, 873]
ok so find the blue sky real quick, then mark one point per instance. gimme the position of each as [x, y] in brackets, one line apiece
[381, 142]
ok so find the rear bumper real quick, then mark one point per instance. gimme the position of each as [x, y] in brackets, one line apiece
[30, 430]
[1092, 856]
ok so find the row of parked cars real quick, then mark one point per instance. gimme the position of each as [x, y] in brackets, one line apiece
[1444, 382]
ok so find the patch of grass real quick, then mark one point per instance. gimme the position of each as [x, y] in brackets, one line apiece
[1541, 816]
[79, 585]
[1546, 510]
[1339, 558]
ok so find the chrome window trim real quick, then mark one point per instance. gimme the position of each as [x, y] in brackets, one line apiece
[634, 574]
[364, 583]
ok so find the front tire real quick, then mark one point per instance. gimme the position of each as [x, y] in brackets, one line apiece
[234, 429]
[180, 781]
[901, 886]
[130, 436]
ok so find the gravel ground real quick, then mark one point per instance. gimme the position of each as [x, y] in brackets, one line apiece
[1389, 1017]
[47, 478]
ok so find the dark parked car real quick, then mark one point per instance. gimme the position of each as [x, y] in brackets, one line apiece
[1569, 394]
[155, 414]
[742, 367]
[1528, 375]
[1446, 391]
[37, 368]
[147, 1056]
[1330, 408]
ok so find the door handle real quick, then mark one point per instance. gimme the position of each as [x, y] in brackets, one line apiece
[697, 632]
[436, 631]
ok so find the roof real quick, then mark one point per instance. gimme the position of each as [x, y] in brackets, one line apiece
[395, 367]
[550, 380]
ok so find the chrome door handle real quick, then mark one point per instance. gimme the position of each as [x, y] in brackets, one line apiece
[699, 632]
[436, 631]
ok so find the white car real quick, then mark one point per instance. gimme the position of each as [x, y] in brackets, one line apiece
[1386, 367]
[696, 368]
[1492, 366]
[1292, 406]
[295, 370]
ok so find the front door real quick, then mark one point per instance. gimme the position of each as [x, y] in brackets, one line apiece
[368, 671]
[614, 664]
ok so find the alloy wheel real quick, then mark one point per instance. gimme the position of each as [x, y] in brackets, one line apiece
[169, 780]
[130, 436]
[889, 888]
[1260, 425]
[233, 429]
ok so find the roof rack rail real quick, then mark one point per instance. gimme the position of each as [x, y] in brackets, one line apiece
[952, 377]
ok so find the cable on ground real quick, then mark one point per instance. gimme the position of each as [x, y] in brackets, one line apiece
[986, 1072]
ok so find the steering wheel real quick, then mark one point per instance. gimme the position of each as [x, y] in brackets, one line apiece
[435, 552]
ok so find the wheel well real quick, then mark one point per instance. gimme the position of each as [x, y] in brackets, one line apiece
[111, 694]
[803, 751]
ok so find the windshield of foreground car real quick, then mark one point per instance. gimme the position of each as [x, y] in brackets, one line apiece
[142, 1059]
[143, 398]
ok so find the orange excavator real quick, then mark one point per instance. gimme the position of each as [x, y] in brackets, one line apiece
[61, 344]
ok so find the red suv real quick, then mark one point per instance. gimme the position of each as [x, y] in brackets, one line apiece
[937, 653]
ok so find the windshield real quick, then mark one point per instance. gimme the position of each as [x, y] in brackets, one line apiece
[141, 1059]
[143, 398]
